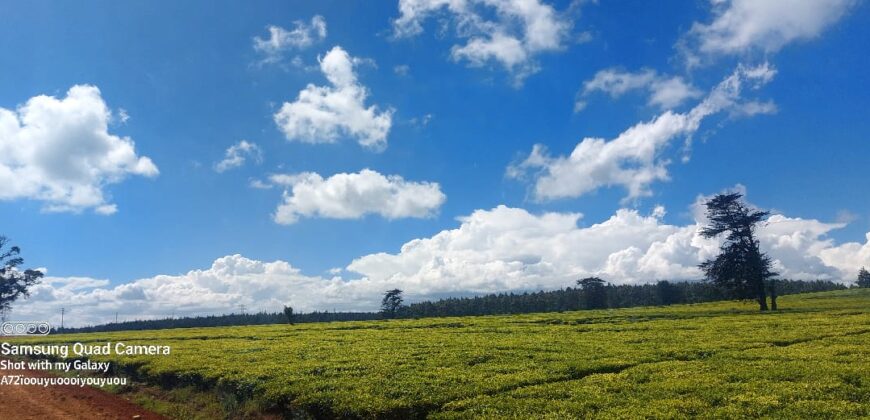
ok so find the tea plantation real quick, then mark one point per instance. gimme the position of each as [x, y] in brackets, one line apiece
[810, 359]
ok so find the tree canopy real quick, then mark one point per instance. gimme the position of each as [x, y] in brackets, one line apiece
[863, 278]
[594, 292]
[14, 282]
[391, 303]
[740, 265]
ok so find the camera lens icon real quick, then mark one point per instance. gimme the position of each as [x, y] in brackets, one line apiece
[20, 328]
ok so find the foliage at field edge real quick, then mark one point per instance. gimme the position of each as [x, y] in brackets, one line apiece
[721, 360]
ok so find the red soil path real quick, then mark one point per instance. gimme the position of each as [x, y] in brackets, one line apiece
[64, 402]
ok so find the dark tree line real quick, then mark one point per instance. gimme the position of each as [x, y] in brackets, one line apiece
[597, 297]
[260, 318]
[568, 299]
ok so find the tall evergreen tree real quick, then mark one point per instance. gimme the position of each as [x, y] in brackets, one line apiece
[14, 282]
[863, 278]
[740, 266]
[667, 293]
[391, 303]
[594, 292]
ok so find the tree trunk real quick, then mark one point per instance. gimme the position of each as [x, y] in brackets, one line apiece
[773, 295]
[762, 297]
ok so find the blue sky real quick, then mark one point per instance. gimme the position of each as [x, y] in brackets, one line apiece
[193, 84]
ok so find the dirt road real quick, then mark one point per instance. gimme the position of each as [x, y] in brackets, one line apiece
[64, 402]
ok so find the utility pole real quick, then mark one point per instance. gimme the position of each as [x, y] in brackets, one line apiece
[62, 310]
[242, 308]
[116, 317]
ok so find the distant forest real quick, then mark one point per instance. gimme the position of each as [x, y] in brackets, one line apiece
[568, 299]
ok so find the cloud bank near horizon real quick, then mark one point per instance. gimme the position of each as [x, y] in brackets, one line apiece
[496, 250]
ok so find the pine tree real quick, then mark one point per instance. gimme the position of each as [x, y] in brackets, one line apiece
[392, 303]
[740, 266]
[594, 292]
[863, 278]
[14, 283]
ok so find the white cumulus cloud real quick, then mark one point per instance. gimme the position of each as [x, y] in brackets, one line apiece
[236, 155]
[60, 151]
[848, 257]
[508, 32]
[664, 92]
[511, 249]
[354, 195]
[635, 158]
[281, 40]
[741, 26]
[323, 114]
